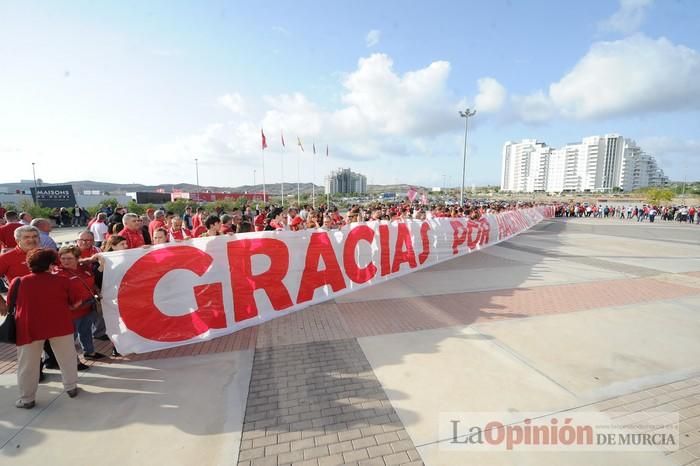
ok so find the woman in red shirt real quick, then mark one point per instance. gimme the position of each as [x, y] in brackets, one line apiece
[82, 283]
[43, 304]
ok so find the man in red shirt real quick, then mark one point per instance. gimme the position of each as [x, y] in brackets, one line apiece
[86, 243]
[7, 231]
[198, 218]
[13, 263]
[295, 221]
[157, 222]
[132, 231]
[226, 225]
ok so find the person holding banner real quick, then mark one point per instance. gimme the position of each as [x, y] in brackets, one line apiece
[178, 231]
[212, 225]
[82, 281]
[295, 222]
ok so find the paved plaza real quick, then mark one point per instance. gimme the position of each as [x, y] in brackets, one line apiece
[573, 315]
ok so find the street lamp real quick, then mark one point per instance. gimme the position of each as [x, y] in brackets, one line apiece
[196, 168]
[465, 114]
[34, 175]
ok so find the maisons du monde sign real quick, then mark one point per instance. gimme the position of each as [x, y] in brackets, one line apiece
[54, 196]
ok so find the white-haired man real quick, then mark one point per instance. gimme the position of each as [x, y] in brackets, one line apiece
[132, 230]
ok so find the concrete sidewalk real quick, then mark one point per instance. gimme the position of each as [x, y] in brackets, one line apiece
[574, 315]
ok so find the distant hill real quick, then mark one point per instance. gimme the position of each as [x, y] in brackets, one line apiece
[273, 189]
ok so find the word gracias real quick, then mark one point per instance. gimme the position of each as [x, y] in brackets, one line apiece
[136, 291]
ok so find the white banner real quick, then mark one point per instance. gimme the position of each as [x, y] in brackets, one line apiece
[191, 291]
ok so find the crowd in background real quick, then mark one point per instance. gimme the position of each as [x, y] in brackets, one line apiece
[646, 212]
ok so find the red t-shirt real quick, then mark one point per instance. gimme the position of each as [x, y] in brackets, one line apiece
[42, 309]
[134, 238]
[82, 287]
[295, 222]
[199, 231]
[154, 225]
[14, 264]
[182, 233]
[196, 221]
[259, 222]
[7, 234]
[87, 253]
[225, 229]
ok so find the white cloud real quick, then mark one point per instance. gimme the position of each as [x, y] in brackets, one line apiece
[533, 108]
[383, 113]
[628, 18]
[418, 103]
[233, 102]
[625, 77]
[372, 37]
[492, 95]
[665, 146]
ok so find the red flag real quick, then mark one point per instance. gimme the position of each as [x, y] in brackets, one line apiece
[326, 150]
[282, 136]
[424, 199]
[264, 141]
[411, 194]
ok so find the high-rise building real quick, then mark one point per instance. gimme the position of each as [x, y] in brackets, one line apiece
[597, 163]
[343, 180]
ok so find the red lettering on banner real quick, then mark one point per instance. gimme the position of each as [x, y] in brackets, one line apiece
[403, 252]
[485, 231]
[504, 226]
[474, 233]
[424, 228]
[472, 239]
[319, 248]
[244, 283]
[459, 235]
[384, 252]
[139, 312]
[353, 271]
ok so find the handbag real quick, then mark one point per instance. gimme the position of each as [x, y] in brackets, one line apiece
[96, 301]
[8, 328]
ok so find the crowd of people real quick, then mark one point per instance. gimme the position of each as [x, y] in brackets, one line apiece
[55, 291]
[646, 212]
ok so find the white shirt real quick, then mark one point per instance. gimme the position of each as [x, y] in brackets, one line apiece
[99, 229]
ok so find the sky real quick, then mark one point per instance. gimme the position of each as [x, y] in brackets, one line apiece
[128, 91]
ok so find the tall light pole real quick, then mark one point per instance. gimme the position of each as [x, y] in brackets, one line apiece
[34, 175]
[196, 170]
[465, 114]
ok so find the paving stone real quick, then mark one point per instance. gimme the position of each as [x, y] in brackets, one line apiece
[315, 452]
[319, 403]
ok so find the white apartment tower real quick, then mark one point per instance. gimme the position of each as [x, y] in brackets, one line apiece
[597, 163]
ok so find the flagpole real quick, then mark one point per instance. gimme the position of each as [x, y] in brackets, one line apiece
[298, 180]
[282, 184]
[328, 185]
[313, 179]
[262, 153]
